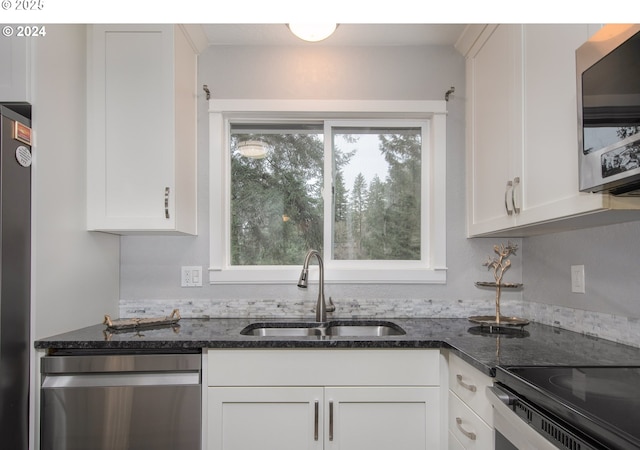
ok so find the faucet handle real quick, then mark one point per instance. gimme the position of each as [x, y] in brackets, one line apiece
[330, 306]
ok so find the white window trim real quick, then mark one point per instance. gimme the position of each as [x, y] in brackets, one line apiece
[431, 271]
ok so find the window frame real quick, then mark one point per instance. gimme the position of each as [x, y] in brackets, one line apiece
[431, 269]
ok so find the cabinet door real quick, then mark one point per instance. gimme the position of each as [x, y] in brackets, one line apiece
[494, 121]
[265, 418]
[454, 443]
[382, 418]
[141, 106]
[550, 165]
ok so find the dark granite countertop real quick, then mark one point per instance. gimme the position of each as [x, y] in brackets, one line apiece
[535, 345]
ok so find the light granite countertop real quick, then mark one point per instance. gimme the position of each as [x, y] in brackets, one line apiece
[536, 345]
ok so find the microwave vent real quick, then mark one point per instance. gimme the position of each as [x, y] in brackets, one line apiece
[627, 190]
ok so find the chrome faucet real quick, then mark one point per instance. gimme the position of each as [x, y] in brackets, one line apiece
[321, 305]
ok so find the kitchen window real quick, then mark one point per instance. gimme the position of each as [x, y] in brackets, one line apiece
[362, 182]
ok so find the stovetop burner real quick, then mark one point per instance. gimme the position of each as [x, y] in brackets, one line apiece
[603, 400]
[579, 385]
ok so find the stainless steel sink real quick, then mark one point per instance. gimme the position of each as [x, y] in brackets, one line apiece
[389, 329]
[336, 328]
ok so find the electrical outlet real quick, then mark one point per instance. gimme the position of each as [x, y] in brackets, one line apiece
[191, 276]
[577, 279]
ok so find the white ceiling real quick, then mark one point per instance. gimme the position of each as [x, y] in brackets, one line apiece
[345, 34]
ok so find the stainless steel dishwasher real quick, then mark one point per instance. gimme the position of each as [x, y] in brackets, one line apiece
[121, 402]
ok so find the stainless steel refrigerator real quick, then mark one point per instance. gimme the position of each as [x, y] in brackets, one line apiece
[15, 274]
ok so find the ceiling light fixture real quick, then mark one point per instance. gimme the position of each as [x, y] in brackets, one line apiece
[313, 32]
[253, 149]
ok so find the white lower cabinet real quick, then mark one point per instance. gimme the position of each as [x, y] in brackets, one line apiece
[470, 418]
[335, 399]
[382, 418]
[283, 418]
[345, 418]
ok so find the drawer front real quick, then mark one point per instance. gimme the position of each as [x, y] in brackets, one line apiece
[454, 443]
[321, 367]
[470, 385]
[467, 427]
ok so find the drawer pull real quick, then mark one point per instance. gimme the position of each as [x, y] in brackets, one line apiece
[331, 421]
[470, 387]
[315, 422]
[470, 434]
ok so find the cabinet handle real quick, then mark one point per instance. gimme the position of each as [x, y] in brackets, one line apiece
[516, 208]
[471, 387]
[167, 190]
[470, 434]
[331, 421]
[315, 422]
[506, 197]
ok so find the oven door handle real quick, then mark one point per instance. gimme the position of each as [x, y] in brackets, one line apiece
[502, 395]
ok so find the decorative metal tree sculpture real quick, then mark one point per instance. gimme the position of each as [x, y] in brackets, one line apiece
[499, 264]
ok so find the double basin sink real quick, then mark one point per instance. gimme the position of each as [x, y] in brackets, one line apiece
[336, 328]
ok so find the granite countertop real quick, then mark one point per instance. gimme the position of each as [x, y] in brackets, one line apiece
[535, 345]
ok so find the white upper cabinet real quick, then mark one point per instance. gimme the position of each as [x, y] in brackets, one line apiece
[494, 119]
[141, 127]
[522, 155]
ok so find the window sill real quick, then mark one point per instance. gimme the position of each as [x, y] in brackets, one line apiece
[290, 274]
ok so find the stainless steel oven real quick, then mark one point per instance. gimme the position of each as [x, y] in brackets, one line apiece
[121, 402]
[511, 431]
[568, 408]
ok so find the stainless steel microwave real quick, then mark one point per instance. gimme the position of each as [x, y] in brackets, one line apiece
[608, 94]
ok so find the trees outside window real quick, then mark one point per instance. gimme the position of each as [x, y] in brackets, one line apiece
[277, 208]
[276, 200]
[380, 219]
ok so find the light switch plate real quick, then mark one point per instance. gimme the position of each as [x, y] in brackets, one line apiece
[191, 276]
[577, 279]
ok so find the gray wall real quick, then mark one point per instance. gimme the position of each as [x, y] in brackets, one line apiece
[75, 273]
[150, 266]
[610, 255]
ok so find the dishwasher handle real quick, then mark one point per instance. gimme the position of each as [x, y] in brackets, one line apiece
[120, 379]
[121, 363]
